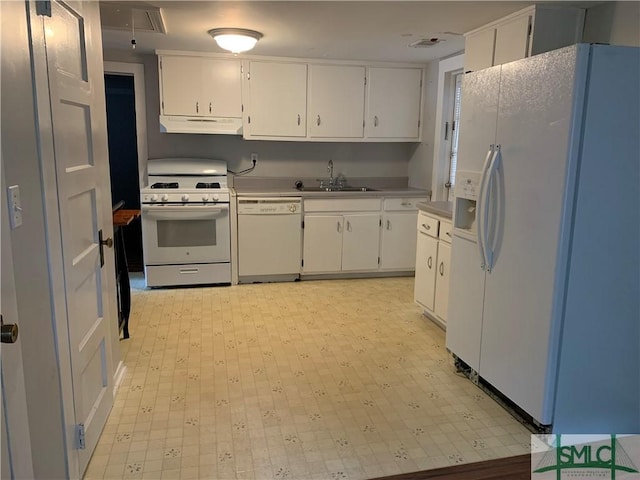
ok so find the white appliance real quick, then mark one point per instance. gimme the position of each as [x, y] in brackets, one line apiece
[185, 222]
[269, 238]
[545, 281]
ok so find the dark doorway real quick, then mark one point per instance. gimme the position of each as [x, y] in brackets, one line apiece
[123, 159]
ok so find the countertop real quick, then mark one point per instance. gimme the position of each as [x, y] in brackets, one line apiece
[285, 187]
[443, 209]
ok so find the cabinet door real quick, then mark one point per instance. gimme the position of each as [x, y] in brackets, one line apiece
[425, 280]
[221, 88]
[322, 245]
[479, 50]
[181, 85]
[278, 99]
[394, 103]
[443, 275]
[512, 40]
[398, 241]
[361, 242]
[336, 101]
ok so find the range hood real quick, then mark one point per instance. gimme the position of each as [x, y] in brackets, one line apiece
[208, 125]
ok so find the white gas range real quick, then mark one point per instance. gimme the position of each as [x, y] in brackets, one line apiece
[185, 222]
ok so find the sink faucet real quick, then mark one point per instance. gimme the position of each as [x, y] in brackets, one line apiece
[330, 168]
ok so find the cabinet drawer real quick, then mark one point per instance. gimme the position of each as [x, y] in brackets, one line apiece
[402, 204]
[428, 225]
[445, 231]
[342, 205]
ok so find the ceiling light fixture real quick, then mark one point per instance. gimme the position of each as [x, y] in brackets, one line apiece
[236, 40]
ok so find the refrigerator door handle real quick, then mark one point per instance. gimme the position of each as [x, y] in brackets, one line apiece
[490, 199]
[480, 208]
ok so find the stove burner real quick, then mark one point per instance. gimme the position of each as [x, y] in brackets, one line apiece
[207, 185]
[165, 185]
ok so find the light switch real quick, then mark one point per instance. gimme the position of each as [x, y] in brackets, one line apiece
[15, 206]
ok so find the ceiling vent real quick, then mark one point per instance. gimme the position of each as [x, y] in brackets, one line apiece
[425, 42]
[129, 15]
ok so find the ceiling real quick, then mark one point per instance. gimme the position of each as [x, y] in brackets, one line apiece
[346, 30]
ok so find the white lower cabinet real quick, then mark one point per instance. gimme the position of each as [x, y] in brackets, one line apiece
[341, 243]
[433, 266]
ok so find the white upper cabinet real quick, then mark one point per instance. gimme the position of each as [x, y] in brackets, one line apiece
[277, 100]
[533, 30]
[394, 103]
[200, 86]
[336, 101]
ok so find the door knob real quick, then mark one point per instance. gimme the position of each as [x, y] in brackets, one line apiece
[8, 332]
[108, 242]
[102, 242]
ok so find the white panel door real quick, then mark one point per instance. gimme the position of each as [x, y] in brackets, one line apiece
[443, 279]
[322, 244]
[78, 123]
[181, 85]
[16, 440]
[466, 296]
[336, 101]
[398, 241]
[221, 88]
[361, 242]
[519, 293]
[426, 262]
[278, 99]
[394, 101]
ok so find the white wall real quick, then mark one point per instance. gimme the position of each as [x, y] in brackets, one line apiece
[21, 167]
[275, 159]
[421, 161]
[616, 23]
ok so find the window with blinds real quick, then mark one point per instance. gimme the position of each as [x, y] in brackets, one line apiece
[455, 133]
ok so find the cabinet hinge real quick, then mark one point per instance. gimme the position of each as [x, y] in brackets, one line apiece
[249, 119]
[43, 8]
[453, 126]
[365, 81]
[529, 31]
[378, 260]
[81, 439]
[380, 222]
[421, 83]
[162, 106]
[418, 123]
[302, 262]
[160, 63]
[242, 107]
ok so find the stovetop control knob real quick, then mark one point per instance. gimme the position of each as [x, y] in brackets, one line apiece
[205, 198]
[185, 198]
[154, 198]
[165, 197]
[216, 197]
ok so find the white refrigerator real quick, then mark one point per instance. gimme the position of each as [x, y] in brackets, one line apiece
[544, 303]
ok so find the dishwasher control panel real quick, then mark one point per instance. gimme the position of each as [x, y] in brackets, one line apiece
[269, 206]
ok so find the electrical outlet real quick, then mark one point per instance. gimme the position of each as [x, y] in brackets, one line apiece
[254, 157]
[15, 206]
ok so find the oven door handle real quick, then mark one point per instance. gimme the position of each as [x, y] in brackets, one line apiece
[184, 213]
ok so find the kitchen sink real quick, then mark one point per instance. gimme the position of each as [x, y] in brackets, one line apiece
[337, 189]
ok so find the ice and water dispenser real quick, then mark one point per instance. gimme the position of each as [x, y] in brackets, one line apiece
[464, 208]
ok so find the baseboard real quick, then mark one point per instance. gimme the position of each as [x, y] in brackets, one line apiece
[118, 377]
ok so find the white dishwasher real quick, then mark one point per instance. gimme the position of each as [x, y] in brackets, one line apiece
[269, 238]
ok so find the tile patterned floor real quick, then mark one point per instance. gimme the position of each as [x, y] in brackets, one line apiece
[340, 379]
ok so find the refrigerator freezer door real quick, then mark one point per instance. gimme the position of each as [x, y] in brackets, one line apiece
[464, 323]
[521, 297]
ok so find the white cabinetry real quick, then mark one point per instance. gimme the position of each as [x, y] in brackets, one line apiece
[394, 103]
[433, 254]
[398, 247]
[533, 30]
[336, 101]
[277, 100]
[341, 235]
[200, 86]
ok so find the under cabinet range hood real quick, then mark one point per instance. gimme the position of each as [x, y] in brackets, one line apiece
[207, 125]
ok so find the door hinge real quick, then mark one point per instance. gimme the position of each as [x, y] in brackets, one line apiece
[81, 439]
[43, 7]
[303, 224]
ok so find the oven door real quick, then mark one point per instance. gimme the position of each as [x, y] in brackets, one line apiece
[183, 234]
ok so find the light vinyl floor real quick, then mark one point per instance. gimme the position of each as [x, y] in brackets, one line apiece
[335, 379]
